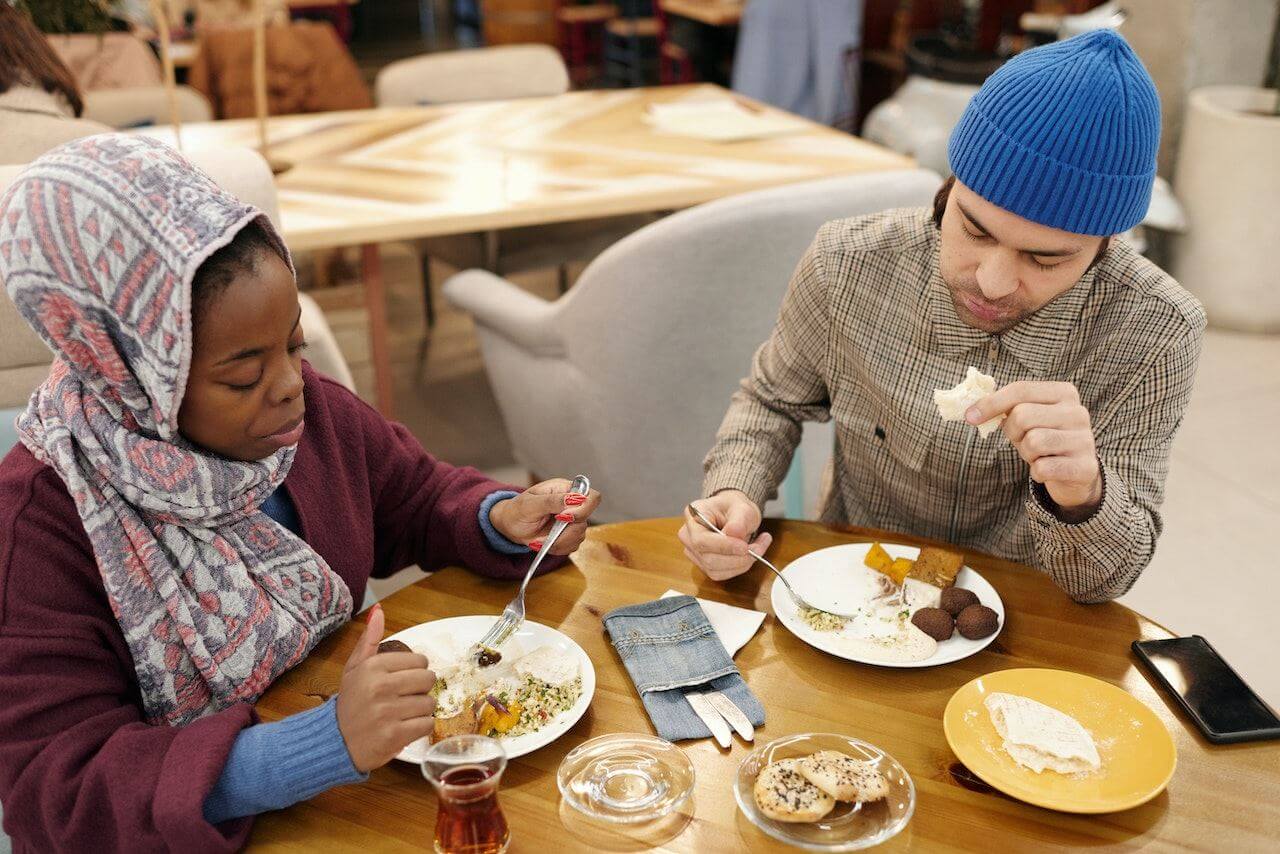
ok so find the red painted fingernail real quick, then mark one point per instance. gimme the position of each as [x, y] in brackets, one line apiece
[565, 517]
[536, 545]
[574, 500]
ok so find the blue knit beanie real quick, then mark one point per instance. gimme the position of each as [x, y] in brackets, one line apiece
[1064, 135]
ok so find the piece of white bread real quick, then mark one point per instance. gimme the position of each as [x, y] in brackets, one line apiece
[784, 795]
[953, 403]
[1039, 736]
[843, 777]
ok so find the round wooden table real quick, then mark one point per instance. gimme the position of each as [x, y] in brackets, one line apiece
[1222, 798]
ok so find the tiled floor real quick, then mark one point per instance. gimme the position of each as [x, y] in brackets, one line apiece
[1216, 571]
[1216, 564]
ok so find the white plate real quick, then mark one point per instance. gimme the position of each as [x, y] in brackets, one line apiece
[818, 577]
[464, 631]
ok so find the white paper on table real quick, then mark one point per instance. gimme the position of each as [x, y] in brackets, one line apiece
[734, 625]
[719, 120]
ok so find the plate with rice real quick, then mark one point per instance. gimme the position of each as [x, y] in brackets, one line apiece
[883, 631]
[534, 694]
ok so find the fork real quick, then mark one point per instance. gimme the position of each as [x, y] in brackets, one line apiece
[513, 614]
[799, 600]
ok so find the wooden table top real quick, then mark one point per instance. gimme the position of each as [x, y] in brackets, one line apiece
[371, 176]
[717, 13]
[1221, 797]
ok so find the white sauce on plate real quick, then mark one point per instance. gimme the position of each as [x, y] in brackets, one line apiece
[909, 645]
[882, 629]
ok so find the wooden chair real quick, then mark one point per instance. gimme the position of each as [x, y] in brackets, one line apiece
[582, 36]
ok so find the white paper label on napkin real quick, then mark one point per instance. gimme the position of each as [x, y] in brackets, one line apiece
[734, 625]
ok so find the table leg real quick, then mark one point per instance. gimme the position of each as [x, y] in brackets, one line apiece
[375, 298]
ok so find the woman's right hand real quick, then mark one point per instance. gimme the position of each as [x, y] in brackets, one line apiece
[385, 701]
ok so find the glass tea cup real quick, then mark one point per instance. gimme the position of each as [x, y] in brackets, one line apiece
[465, 771]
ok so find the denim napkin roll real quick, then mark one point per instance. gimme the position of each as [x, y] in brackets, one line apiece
[669, 648]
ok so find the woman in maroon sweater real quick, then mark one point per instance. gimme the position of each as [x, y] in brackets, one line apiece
[172, 538]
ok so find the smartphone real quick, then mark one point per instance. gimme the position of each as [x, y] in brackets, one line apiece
[1223, 707]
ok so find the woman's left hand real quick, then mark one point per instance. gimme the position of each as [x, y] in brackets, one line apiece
[529, 516]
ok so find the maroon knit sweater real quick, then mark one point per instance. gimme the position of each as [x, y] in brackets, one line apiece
[80, 770]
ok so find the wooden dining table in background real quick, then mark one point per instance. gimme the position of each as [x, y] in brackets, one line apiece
[1221, 798]
[370, 176]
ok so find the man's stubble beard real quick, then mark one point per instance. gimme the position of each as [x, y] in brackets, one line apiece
[1016, 313]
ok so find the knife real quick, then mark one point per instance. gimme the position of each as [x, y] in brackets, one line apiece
[733, 715]
[703, 709]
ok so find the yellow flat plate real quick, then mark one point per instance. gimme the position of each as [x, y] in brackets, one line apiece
[1137, 752]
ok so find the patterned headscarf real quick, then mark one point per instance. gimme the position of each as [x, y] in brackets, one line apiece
[99, 241]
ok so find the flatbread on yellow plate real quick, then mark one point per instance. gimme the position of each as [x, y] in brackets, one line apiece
[1137, 753]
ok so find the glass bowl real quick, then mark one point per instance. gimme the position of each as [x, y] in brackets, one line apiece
[626, 778]
[848, 827]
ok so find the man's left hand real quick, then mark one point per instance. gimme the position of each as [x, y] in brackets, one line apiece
[1051, 430]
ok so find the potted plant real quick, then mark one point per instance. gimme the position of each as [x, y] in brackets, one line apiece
[1228, 179]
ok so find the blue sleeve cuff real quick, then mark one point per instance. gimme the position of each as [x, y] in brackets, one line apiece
[497, 542]
[273, 766]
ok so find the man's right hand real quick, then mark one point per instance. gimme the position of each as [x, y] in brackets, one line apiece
[723, 556]
[385, 699]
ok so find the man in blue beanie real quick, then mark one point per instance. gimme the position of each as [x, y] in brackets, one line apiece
[1016, 271]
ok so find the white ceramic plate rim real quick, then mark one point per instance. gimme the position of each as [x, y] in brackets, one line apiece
[955, 649]
[532, 635]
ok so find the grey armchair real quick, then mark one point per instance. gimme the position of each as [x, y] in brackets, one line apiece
[478, 74]
[627, 376]
[134, 106]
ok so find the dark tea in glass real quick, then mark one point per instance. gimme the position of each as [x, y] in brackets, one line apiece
[465, 771]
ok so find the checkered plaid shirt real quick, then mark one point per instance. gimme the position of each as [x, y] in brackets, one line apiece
[867, 331]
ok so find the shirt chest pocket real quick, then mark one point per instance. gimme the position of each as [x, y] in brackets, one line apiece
[891, 438]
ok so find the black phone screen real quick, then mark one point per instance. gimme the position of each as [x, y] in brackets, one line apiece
[1212, 691]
